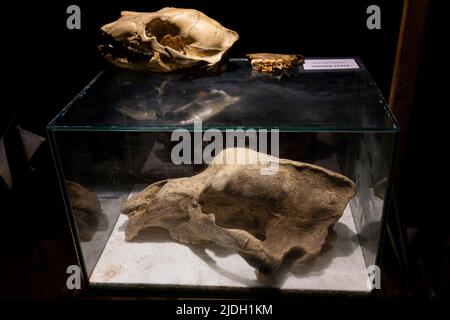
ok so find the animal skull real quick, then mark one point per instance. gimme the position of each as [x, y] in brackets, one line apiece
[264, 218]
[166, 40]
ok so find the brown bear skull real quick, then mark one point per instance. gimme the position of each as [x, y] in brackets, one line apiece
[165, 40]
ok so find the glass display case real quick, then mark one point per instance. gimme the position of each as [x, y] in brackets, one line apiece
[120, 134]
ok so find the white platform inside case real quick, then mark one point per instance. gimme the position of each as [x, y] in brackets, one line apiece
[153, 258]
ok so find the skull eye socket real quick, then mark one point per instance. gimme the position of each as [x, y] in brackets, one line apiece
[167, 34]
[158, 28]
[232, 212]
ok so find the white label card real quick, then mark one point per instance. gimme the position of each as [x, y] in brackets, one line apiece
[330, 64]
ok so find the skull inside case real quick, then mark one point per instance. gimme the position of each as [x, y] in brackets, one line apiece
[153, 202]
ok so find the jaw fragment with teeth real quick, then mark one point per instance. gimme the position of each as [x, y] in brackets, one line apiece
[274, 62]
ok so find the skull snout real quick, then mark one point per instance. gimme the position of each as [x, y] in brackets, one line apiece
[120, 31]
[139, 202]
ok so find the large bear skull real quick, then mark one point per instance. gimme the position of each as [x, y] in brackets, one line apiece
[264, 218]
[166, 40]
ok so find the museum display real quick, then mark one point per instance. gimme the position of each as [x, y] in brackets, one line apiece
[302, 213]
[166, 40]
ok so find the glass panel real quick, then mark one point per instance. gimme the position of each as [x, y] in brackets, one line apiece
[345, 100]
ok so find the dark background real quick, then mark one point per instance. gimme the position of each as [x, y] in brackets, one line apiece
[46, 65]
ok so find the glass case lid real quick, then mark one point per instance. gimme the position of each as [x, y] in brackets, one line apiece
[297, 100]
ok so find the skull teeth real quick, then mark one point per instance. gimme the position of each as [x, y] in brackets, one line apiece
[138, 50]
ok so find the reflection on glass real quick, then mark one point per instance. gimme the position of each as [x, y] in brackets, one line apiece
[204, 107]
